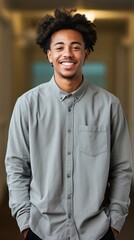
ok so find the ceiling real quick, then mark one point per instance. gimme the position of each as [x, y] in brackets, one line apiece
[37, 5]
[24, 14]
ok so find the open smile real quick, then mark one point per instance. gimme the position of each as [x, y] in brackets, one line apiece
[67, 64]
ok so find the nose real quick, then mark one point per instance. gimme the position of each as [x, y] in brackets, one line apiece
[68, 52]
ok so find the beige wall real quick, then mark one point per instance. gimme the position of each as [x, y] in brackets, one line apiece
[5, 93]
[131, 80]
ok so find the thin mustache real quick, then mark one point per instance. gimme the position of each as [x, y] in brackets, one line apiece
[67, 58]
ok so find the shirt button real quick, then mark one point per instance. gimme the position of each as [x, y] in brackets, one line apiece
[68, 153]
[68, 175]
[69, 196]
[69, 130]
[69, 109]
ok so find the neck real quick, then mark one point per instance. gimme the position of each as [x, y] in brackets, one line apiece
[68, 85]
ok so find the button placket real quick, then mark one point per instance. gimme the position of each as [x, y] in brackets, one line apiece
[69, 162]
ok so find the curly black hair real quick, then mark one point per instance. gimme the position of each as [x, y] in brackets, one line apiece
[65, 19]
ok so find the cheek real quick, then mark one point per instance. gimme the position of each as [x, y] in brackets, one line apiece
[54, 57]
[82, 60]
[81, 56]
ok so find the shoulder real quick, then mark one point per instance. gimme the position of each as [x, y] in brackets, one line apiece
[32, 96]
[103, 99]
[102, 94]
[36, 91]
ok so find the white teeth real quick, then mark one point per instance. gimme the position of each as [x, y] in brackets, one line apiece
[67, 63]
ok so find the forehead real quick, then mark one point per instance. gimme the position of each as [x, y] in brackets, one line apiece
[67, 36]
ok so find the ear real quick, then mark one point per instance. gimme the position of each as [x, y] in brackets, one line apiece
[87, 52]
[49, 55]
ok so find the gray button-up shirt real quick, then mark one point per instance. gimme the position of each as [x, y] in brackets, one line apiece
[68, 162]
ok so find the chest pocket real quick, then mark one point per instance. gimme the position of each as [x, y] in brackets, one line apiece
[93, 140]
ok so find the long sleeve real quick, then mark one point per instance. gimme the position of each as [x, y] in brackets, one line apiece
[61, 163]
[121, 169]
[18, 166]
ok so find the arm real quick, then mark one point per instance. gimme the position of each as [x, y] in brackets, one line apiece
[18, 166]
[120, 170]
[25, 232]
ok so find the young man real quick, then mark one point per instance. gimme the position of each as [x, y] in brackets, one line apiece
[68, 157]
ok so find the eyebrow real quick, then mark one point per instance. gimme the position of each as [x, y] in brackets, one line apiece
[71, 43]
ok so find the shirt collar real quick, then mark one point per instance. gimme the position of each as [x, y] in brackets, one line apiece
[78, 93]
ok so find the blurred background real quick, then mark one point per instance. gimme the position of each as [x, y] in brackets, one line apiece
[24, 66]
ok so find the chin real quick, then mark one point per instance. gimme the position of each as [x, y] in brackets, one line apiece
[68, 76]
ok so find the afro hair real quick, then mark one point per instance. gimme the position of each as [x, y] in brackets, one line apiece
[65, 19]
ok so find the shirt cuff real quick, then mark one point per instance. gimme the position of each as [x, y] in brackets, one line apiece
[23, 221]
[117, 221]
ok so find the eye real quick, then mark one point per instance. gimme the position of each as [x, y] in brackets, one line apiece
[60, 48]
[76, 47]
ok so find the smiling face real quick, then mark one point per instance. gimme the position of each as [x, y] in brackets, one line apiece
[67, 54]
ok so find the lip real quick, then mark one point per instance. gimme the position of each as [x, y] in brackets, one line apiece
[67, 64]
